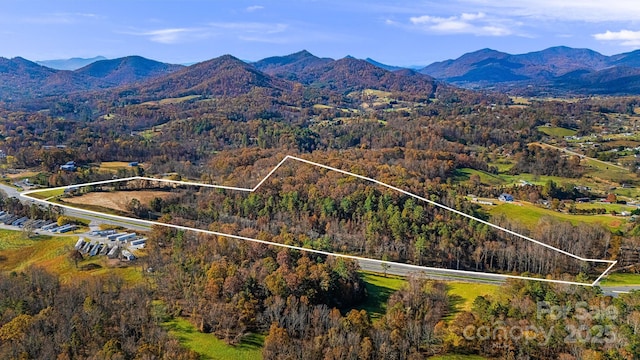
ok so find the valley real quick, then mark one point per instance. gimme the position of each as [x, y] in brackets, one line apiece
[560, 168]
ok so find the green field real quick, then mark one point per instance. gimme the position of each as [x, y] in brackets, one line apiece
[502, 165]
[45, 194]
[210, 347]
[609, 207]
[606, 171]
[619, 279]
[486, 178]
[556, 131]
[463, 294]
[464, 174]
[630, 193]
[529, 215]
[379, 288]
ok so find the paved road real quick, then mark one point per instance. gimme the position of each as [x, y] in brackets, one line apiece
[405, 270]
[366, 265]
[10, 191]
[617, 290]
[94, 219]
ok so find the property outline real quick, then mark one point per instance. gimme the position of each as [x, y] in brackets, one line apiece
[612, 263]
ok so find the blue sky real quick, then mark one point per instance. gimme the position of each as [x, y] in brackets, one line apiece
[394, 32]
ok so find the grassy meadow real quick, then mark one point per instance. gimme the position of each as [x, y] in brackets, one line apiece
[558, 132]
[210, 347]
[379, 288]
[529, 215]
[463, 294]
[620, 279]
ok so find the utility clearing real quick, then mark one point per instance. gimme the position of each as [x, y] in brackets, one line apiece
[117, 200]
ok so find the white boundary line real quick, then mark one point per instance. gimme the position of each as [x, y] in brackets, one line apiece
[289, 157]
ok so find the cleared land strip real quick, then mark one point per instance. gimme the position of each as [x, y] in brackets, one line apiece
[381, 263]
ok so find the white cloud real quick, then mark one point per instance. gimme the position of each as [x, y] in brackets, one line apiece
[574, 10]
[624, 37]
[495, 30]
[166, 36]
[173, 35]
[254, 8]
[467, 23]
[453, 26]
[471, 17]
[246, 31]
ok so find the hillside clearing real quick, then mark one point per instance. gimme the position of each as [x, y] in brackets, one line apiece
[529, 215]
[117, 200]
[114, 165]
[210, 347]
[379, 288]
[620, 279]
[463, 294]
[169, 101]
[556, 131]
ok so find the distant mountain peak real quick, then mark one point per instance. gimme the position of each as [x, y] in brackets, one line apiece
[289, 66]
[70, 64]
[126, 69]
[222, 76]
[383, 66]
[487, 51]
[303, 53]
[228, 57]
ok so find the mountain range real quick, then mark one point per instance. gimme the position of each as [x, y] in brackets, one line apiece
[557, 70]
[21, 78]
[343, 75]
